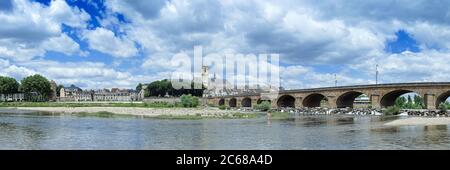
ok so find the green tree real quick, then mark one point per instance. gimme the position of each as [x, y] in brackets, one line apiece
[163, 87]
[36, 83]
[263, 106]
[8, 85]
[443, 107]
[139, 87]
[400, 102]
[418, 102]
[189, 100]
[58, 89]
[392, 110]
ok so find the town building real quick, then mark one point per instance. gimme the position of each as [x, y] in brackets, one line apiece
[115, 95]
[17, 97]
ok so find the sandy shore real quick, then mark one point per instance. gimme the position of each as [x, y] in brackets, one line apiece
[149, 112]
[420, 121]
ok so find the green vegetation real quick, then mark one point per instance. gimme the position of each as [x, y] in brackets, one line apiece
[36, 88]
[189, 100]
[392, 110]
[443, 107]
[139, 87]
[163, 87]
[8, 85]
[279, 115]
[263, 106]
[36, 83]
[409, 103]
[222, 107]
[58, 89]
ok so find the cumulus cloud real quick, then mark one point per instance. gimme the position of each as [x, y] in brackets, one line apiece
[315, 40]
[105, 41]
[429, 65]
[29, 29]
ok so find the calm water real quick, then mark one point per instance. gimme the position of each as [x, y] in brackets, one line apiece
[25, 131]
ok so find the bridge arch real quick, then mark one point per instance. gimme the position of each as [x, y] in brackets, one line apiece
[389, 98]
[246, 102]
[347, 99]
[442, 98]
[286, 101]
[313, 100]
[221, 102]
[232, 102]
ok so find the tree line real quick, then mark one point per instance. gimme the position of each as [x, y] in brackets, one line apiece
[36, 84]
[410, 103]
[164, 87]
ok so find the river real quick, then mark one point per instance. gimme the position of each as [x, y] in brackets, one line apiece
[33, 131]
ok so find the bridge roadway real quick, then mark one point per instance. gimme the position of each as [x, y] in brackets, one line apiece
[380, 96]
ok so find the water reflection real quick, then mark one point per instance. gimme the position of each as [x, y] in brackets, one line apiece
[435, 134]
[322, 120]
[24, 131]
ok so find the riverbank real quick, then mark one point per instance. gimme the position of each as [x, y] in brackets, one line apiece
[425, 121]
[164, 113]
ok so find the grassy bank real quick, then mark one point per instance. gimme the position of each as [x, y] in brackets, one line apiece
[57, 104]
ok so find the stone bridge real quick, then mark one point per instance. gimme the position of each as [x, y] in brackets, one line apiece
[380, 95]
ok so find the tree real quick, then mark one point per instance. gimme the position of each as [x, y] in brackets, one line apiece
[8, 85]
[400, 102]
[163, 87]
[442, 107]
[189, 100]
[139, 87]
[392, 110]
[418, 102]
[58, 89]
[263, 106]
[36, 83]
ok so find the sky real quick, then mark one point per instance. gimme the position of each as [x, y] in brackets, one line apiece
[120, 43]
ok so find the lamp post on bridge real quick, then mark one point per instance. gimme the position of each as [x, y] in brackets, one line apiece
[335, 80]
[376, 74]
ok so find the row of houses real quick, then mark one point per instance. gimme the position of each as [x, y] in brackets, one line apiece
[74, 93]
[17, 97]
[20, 97]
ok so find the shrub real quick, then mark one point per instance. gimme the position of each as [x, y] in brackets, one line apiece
[189, 100]
[443, 107]
[392, 110]
[222, 107]
[263, 106]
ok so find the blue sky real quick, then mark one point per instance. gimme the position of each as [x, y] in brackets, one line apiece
[116, 43]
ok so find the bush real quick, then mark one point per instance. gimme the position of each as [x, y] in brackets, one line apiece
[222, 107]
[263, 106]
[189, 100]
[392, 110]
[443, 107]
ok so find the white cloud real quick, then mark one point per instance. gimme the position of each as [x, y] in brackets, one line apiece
[314, 39]
[105, 41]
[62, 44]
[29, 29]
[428, 65]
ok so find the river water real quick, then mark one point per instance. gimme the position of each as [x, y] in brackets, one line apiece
[33, 131]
